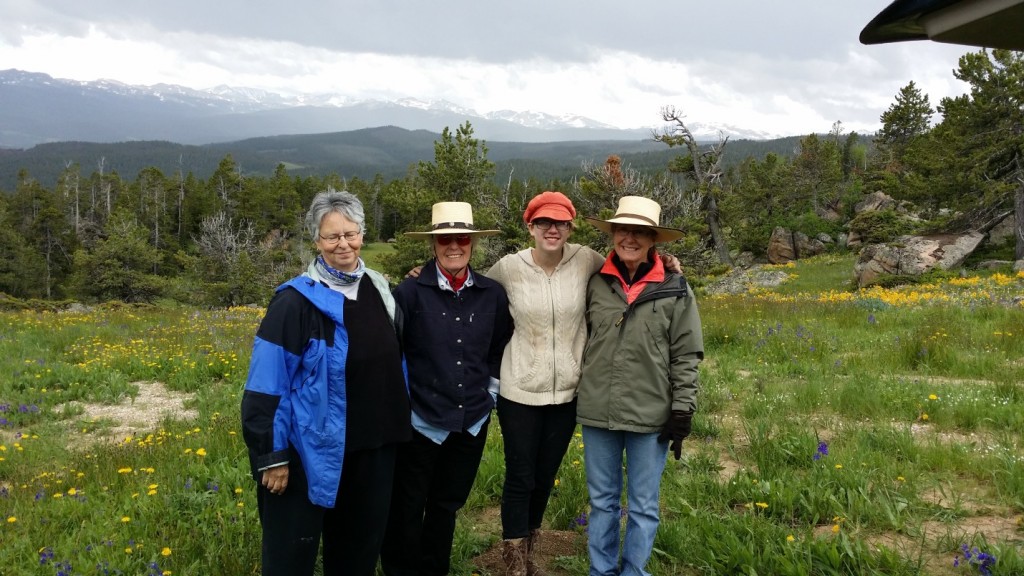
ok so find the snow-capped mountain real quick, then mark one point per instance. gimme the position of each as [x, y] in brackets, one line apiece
[38, 108]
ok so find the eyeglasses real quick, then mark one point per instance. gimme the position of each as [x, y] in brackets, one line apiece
[335, 238]
[636, 232]
[545, 224]
[460, 239]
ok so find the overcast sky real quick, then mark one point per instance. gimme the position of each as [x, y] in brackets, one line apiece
[783, 68]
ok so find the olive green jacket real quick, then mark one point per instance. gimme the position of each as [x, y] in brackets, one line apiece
[641, 359]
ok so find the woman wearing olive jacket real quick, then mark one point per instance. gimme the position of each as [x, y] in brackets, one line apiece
[639, 384]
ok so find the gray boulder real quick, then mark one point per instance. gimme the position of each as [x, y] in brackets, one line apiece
[1003, 232]
[914, 255]
[785, 246]
[993, 264]
[874, 201]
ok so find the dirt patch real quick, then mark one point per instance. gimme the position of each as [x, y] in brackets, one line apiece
[946, 380]
[140, 415]
[933, 533]
[553, 544]
[728, 468]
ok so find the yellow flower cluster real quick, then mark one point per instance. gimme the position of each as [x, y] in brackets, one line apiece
[957, 291]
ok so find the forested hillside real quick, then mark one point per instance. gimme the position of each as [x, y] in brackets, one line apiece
[386, 151]
[220, 224]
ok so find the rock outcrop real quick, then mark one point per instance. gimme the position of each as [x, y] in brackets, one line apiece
[914, 255]
[785, 246]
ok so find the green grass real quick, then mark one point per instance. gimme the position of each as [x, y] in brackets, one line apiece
[371, 253]
[915, 394]
[827, 272]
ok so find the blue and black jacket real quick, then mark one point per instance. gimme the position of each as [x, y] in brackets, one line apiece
[294, 396]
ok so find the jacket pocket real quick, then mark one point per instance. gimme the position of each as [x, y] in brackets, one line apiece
[658, 334]
[311, 393]
[525, 363]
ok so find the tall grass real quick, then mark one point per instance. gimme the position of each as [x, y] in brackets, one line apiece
[838, 432]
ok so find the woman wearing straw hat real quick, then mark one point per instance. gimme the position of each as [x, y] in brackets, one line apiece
[638, 390]
[455, 326]
[546, 285]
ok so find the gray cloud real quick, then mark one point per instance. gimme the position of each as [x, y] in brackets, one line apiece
[769, 59]
[568, 30]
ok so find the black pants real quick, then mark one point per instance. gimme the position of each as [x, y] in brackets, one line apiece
[432, 482]
[352, 531]
[536, 438]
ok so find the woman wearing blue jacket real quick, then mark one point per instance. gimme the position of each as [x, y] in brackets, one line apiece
[326, 404]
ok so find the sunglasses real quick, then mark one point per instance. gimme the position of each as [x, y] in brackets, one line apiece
[460, 239]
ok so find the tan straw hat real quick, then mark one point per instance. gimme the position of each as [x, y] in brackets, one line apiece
[451, 218]
[639, 211]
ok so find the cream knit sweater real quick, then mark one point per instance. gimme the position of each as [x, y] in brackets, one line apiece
[541, 364]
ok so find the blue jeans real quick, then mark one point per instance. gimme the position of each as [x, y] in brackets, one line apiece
[645, 461]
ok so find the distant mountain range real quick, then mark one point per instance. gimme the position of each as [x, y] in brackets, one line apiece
[37, 108]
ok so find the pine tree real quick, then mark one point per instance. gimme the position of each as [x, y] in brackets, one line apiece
[985, 133]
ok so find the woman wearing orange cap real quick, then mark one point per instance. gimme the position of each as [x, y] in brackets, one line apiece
[540, 369]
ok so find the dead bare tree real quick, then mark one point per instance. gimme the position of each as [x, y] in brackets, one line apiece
[70, 180]
[703, 167]
[221, 241]
[616, 180]
[104, 184]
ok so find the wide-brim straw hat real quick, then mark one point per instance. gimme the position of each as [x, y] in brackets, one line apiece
[452, 218]
[639, 211]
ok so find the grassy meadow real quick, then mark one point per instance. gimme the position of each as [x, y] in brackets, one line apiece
[838, 432]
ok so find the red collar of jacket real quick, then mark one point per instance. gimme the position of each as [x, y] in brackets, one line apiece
[655, 275]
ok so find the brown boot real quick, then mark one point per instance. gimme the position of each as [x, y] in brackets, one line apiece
[513, 553]
[532, 545]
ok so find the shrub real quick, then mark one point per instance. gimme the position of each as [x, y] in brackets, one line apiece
[881, 226]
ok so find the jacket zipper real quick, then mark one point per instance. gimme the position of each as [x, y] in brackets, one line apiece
[655, 294]
[554, 334]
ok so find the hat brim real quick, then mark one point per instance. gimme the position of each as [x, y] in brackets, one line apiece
[661, 233]
[551, 212]
[439, 231]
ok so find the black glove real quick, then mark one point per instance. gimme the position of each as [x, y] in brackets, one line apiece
[678, 427]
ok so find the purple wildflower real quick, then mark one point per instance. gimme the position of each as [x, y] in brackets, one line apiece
[822, 450]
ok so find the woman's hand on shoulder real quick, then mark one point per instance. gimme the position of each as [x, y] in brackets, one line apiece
[671, 263]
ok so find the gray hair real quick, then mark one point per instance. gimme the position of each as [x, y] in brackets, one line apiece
[331, 200]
